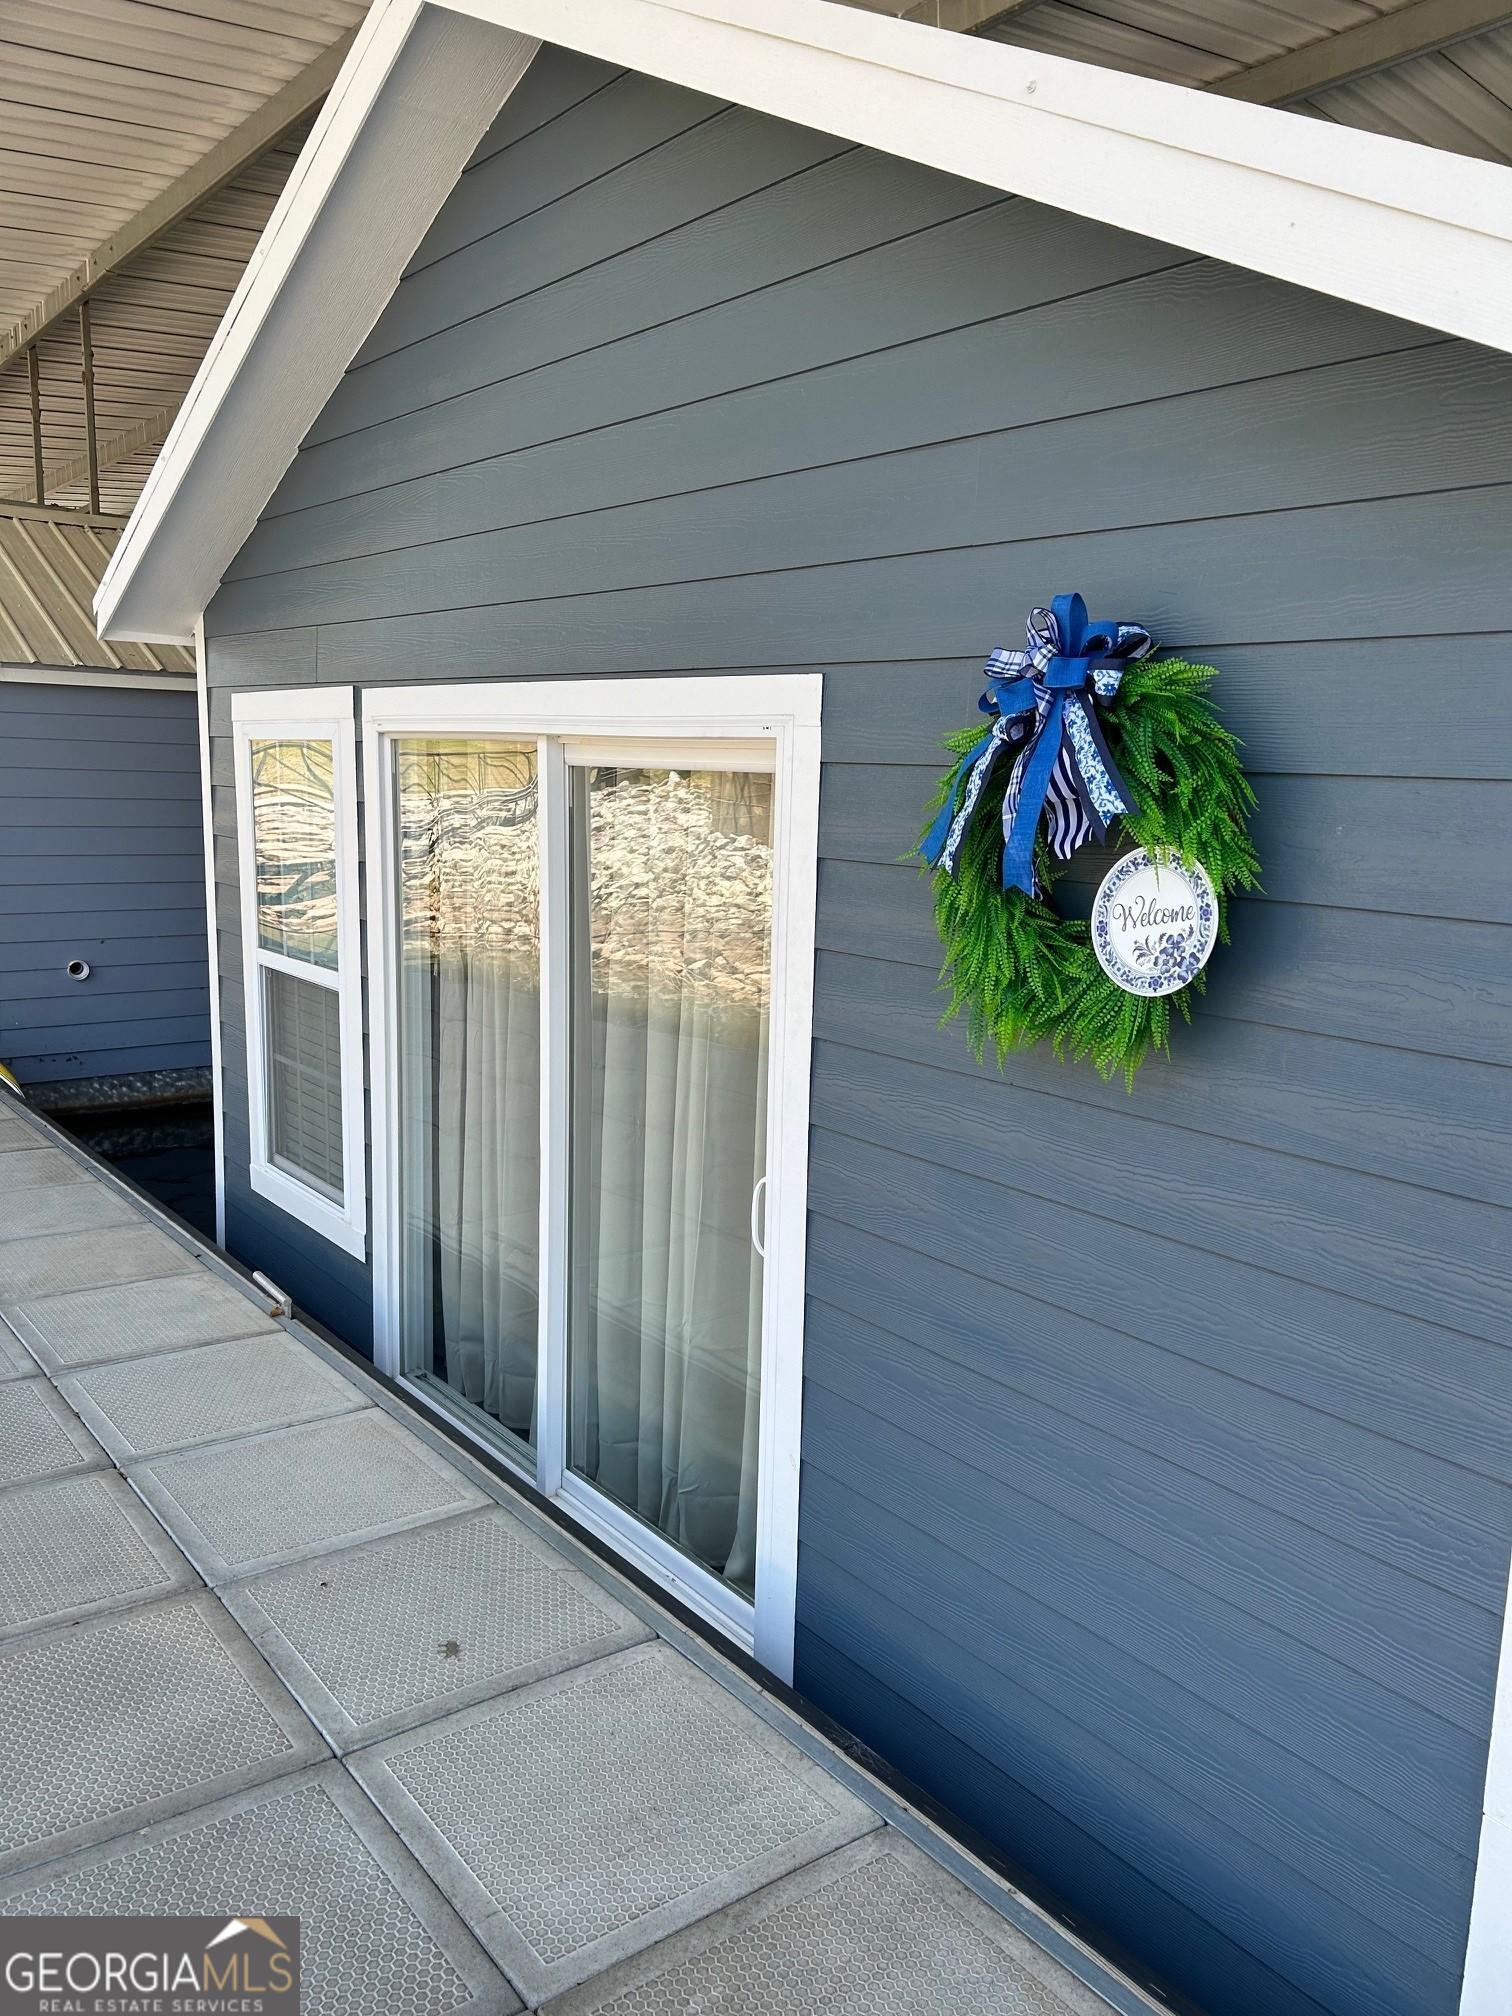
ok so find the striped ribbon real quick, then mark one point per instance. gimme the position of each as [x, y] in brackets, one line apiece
[1045, 700]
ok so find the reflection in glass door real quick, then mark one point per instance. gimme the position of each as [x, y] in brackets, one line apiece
[591, 929]
[670, 970]
[469, 1014]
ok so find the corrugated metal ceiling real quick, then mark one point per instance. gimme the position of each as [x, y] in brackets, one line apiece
[1183, 41]
[48, 574]
[1456, 95]
[1459, 98]
[103, 103]
[150, 326]
[104, 106]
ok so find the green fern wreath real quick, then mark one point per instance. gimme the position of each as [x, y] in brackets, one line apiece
[1021, 972]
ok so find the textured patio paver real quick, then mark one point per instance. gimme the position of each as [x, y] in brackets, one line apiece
[61, 1207]
[42, 1170]
[616, 1820]
[148, 1406]
[375, 1937]
[41, 1436]
[73, 1547]
[390, 1633]
[239, 1507]
[50, 1266]
[94, 1326]
[588, 1816]
[876, 1929]
[111, 1724]
[16, 1361]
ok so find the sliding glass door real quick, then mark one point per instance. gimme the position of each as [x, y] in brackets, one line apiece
[581, 1002]
[670, 964]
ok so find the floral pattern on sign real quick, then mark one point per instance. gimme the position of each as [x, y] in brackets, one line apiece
[1154, 922]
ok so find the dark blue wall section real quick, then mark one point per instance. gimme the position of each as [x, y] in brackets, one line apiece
[1156, 1455]
[102, 858]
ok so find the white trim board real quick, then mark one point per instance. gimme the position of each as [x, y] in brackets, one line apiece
[1487, 1988]
[207, 821]
[781, 713]
[1410, 230]
[85, 675]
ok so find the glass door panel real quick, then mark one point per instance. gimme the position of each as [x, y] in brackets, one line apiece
[669, 957]
[469, 1072]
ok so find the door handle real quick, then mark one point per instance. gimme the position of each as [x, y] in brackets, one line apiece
[758, 1197]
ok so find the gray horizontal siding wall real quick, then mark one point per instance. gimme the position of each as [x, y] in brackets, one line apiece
[102, 858]
[1155, 1493]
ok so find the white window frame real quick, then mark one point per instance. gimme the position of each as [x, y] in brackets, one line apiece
[769, 722]
[313, 714]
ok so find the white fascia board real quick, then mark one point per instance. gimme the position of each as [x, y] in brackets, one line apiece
[1411, 231]
[418, 91]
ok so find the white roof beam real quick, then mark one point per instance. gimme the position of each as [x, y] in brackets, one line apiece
[261, 130]
[1410, 230]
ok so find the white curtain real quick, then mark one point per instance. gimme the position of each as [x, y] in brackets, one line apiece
[669, 949]
[669, 1144]
[488, 1184]
[470, 1020]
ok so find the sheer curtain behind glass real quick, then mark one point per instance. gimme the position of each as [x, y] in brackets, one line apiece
[671, 966]
[469, 1028]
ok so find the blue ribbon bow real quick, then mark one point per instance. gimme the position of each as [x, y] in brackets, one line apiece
[1045, 698]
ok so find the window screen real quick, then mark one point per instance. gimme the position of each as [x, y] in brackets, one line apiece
[304, 1078]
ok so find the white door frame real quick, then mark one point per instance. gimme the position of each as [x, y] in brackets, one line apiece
[779, 713]
[1487, 1989]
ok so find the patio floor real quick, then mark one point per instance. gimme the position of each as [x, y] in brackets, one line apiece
[270, 1643]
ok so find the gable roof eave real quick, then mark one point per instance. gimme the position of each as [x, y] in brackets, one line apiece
[418, 91]
[1408, 230]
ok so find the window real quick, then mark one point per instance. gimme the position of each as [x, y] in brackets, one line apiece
[592, 960]
[297, 851]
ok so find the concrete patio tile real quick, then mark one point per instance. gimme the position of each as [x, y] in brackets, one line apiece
[875, 1929]
[31, 1267]
[42, 1167]
[76, 1547]
[379, 1637]
[239, 1507]
[15, 1133]
[61, 1207]
[41, 1436]
[576, 1821]
[16, 1361]
[148, 1406]
[109, 1725]
[93, 1326]
[375, 1937]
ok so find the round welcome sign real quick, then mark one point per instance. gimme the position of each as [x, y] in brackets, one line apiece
[1154, 922]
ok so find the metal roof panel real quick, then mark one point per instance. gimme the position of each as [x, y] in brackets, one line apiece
[49, 570]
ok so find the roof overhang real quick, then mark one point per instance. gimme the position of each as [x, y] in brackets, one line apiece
[1409, 230]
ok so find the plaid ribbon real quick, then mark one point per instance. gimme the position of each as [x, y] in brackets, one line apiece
[1044, 700]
